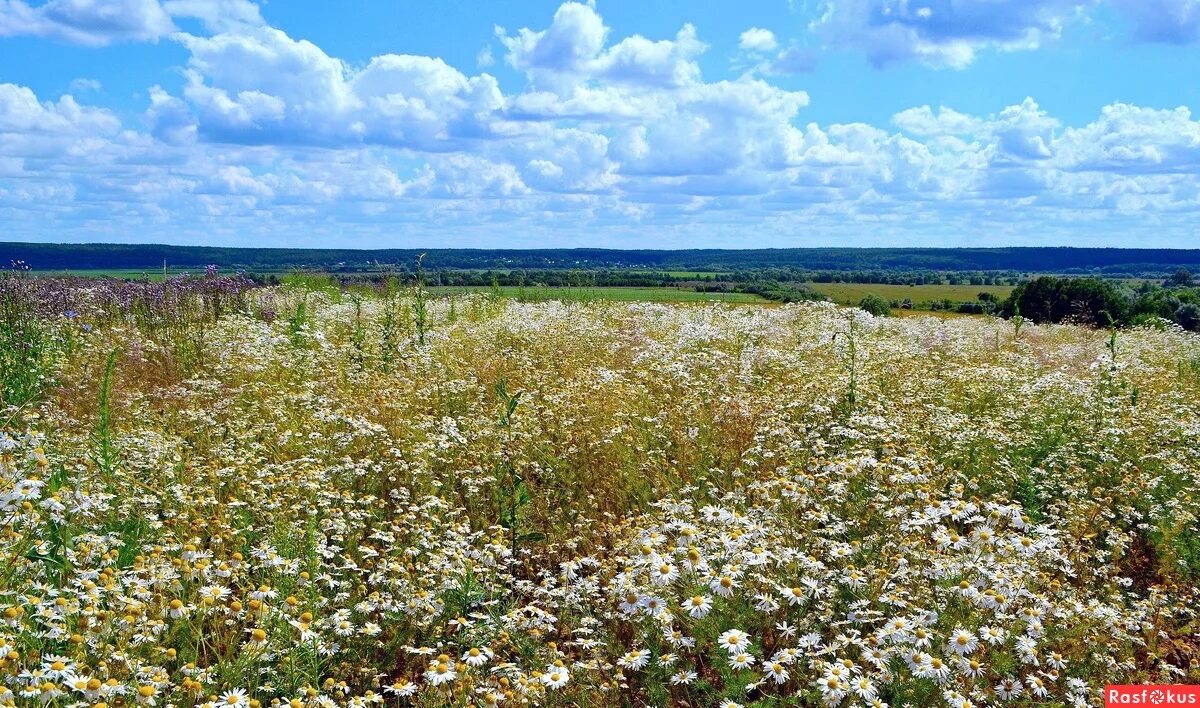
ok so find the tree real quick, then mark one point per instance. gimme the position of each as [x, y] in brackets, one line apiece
[1181, 278]
[876, 304]
[1188, 317]
[1090, 301]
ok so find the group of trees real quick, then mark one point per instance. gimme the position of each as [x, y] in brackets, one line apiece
[1091, 301]
[1103, 303]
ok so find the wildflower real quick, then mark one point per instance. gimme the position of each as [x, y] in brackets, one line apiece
[962, 642]
[864, 688]
[556, 675]
[935, 669]
[632, 602]
[1036, 686]
[734, 640]
[795, 595]
[441, 670]
[1008, 689]
[634, 660]
[654, 606]
[740, 661]
[698, 606]
[477, 656]
[235, 699]
[664, 573]
[991, 635]
[723, 585]
[400, 687]
[775, 671]
[833, 689]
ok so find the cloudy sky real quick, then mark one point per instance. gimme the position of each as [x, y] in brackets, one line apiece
[523, 123]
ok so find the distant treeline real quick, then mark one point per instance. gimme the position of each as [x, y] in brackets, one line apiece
[637, 277]
[753, 282]
[1104, 261]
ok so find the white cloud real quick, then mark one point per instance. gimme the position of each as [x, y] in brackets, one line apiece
[609, 137]
[485, 58]
[217, 15]
[21, 113]
[560, 53]
[88, 22]
[85, 85]
[924, 121]
[101, 22]
[570, 52]
[943, 33]
[757, 39]
[1134, 141]
[261, 86]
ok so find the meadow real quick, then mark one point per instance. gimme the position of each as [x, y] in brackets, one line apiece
[535, 293]
[219, 494]
[921, 295]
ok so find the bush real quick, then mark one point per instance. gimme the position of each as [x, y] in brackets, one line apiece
[1188, 317]
[876, 304]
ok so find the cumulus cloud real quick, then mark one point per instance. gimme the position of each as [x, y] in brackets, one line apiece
[944, 33]
[945, 121]
[262, 86]
[757, 39]
[571, 51]
[22, 114]
[1132, 140]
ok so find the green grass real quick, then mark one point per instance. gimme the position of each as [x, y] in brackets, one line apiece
[139, 273]
[693, 273]
[121, 273]
[921, 295]
[616, 294]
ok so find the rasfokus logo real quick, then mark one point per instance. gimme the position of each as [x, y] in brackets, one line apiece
[1152, 695]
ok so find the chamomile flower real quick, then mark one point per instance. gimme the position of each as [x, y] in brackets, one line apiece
[236, 698]
[741, 661]
[664, 573]
[477, 656]
[556, 675]
[634, 660]
[775, 671]
[698, 606]
[962, 642]
[734, 640]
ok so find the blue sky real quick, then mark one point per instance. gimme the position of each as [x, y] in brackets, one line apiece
[667, 124]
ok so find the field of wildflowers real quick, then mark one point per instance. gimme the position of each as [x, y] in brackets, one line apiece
[214, 494]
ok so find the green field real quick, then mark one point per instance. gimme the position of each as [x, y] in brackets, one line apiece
[693, 273]
[121, 273]
[616, 294]
[140, 273]
[921, 295]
